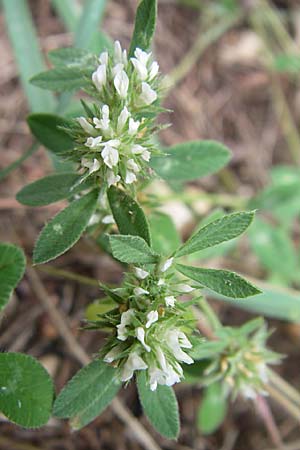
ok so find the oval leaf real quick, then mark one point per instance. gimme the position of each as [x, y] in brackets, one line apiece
[128, 214]
[165, 237]
[63, 79]
[26, 390]
[64, 230]
[45, 127]
[212, 409]
[191, 160]
[216, 232]
[144, 26]
[87, 394]
[160, 406]
[132, 250]
[12, 267]
[221, 281]
[71, 56]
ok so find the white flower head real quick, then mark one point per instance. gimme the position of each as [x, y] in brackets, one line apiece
[140, 291]
[99, 77]
[108, 219]
[112, 179]
[132, 165]
[133, 126]
[152, 317]
[148, 95]
[130, 177]
[166, 265]
[122, 119]
[121, 82]
[110, 156]
[134, 362]
[140, 334]
[140, 273]
[170, 300]
[85, 125]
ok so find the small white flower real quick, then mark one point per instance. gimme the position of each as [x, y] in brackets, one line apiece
[103, 58]
[142, 56]
[121, 82]
[161, 282]
[156, 376]
[112, 354]
[122, 327]
[174, 341]
[133, 126]
[93, 166]
[171, 375]
[170, 300]
[153, 70]
[104, 122]
[140, 68]
[110, 156]
[148, 95]
[140, 150]
[94, 219]
[99, 77]
[132, 165]
[93, 142]
[117, 68]
[117, 52]
[140, 291]
[112, 179]
[87, 127]
[152, 317]
[122, 119]
[140, 334]
[130, 177]
[134, 362]
[146, 155]
[140, 273]
[184, 288]
[167, 264]
[108, 219]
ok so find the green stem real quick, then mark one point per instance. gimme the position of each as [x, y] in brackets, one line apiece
[4, 172]
[68, 275]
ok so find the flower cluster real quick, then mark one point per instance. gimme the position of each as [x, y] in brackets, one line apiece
[149, 326]
[113, 142]
[240, 359]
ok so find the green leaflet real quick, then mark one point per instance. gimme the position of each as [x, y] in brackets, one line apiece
[212, 409]
[132, 250]
[221, 230]
[71, 56]
[160, 406]
[63, 79]
[144, 26]
[87, 394]
[26, 390]
[128, 214]
[165, 237]
[51, 189]
[191, 160]
[12, 268]
[64, 230]
[221, 281]
[45, 127]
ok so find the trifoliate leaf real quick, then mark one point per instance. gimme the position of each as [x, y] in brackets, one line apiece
[12, 267]
[132, 250]
[160, 406]
[64, 230]
[221, 230]
[221, 281]
[87, 394]
[26, 390]
[128, 214]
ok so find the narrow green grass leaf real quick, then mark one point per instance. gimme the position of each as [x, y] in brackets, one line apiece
[128, 214]
[216, 232]
[27, 53]
[87, 394]
[26, 390]
[213, 409]
[221, 281]
[69, 12]
[64, 230]
[191, 160]
[160, 406]
[14, 165]
[132, 250]
[144, 27]
[12, 268]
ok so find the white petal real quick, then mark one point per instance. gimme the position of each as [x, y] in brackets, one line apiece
[99, 77]
[103, 58]
[140, 273]
[184, 288]
[122, 119]
[130, 177]
[153, 70]
[172, 339]
[121, 83]
[108, 219]
[117, 68]
[167, 264]
[183, 340]
[112, 179]
[126, 316]
[94, 166]
[95, 218]
[146, 155]
[140, 334]
[134, 362]
[112, 354]
[131, 164]
[140, 291]
[110, 156]
[152, 317]
[141, 69]
[118, 52]
[133, 126]
[161, 282]
[170, 300]
[148, 95]
[93, 142]
[142, 56]
[137, 149]
[86, 125]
